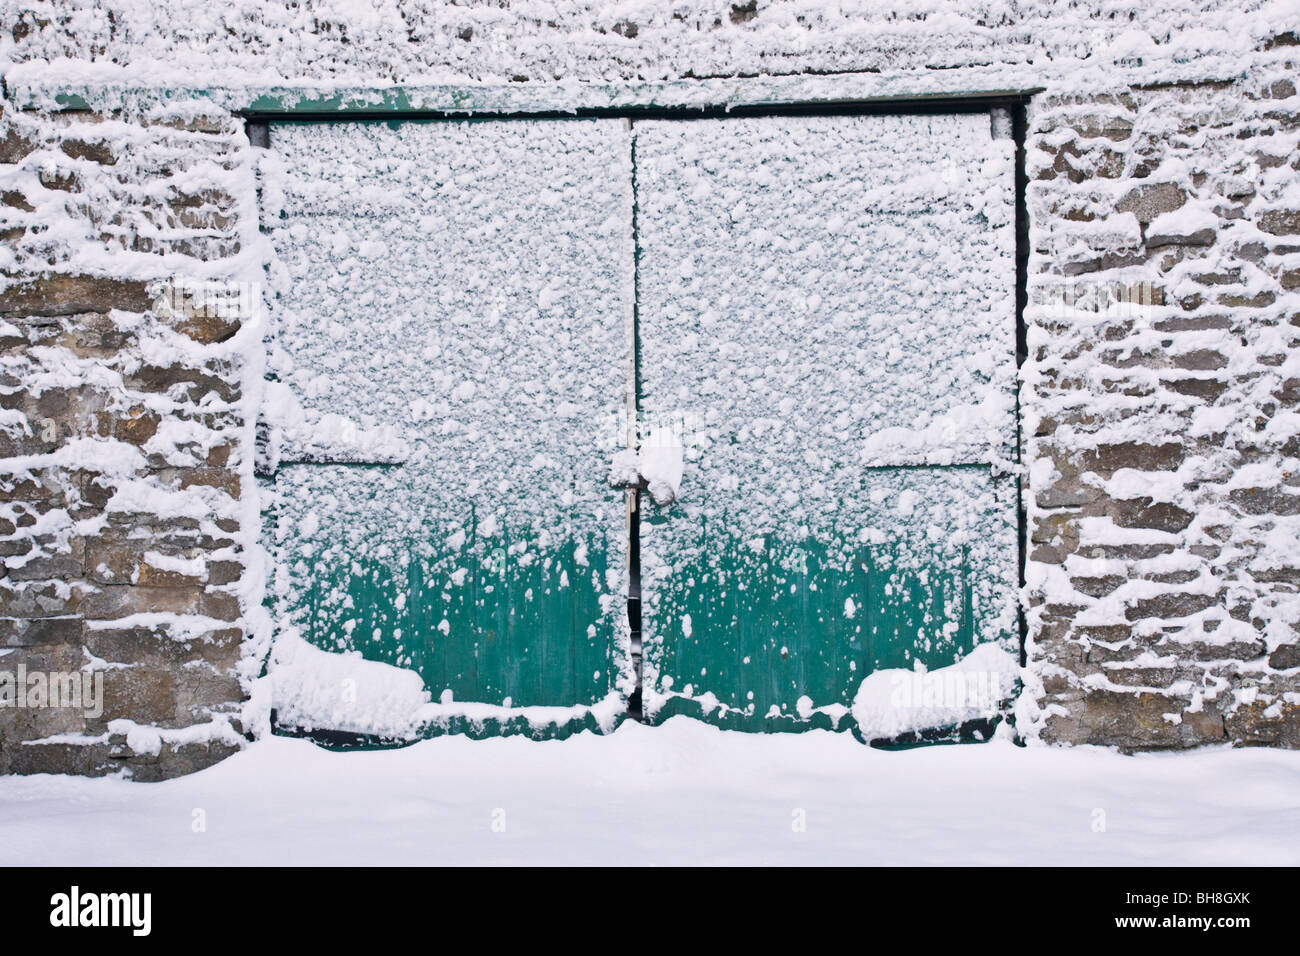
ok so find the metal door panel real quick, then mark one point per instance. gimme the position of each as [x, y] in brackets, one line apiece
[826, 317]
[451, 330]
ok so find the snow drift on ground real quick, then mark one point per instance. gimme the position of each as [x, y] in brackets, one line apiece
[684, 792]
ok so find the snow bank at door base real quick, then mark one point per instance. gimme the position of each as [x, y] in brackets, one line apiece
[895, 701]
[319, 690]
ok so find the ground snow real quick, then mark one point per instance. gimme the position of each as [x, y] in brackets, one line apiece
[684, 792]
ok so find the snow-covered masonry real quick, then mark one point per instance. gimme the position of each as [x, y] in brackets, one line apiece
[1158, 395]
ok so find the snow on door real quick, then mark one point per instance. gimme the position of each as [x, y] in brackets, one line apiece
[827, 327]
[452, 351]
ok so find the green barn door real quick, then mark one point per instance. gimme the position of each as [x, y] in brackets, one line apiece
[826, 328]
[450, 358]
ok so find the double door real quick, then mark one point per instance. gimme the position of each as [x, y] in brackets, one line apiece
[803, 328]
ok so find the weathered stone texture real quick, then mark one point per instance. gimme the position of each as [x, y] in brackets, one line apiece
[122, 545]
[1163, 579]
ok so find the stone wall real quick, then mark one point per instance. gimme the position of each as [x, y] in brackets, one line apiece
[958, 44]
[1159, 399]
[1161, 413]
[123, 527]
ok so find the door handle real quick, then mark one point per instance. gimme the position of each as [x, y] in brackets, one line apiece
[656, 467]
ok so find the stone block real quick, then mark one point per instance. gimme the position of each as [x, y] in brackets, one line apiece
[1107, 459]
[1150, 200]
[70, 294]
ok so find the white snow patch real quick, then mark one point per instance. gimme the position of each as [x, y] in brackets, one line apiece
[895, 701]
[702, 796]
[661, 464]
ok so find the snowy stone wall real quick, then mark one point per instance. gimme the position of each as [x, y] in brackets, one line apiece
[125, 383]
[1159, 398]
[1160, 410]
[925, 44]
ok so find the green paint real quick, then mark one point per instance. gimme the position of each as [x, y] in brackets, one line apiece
[783, 619]
[497, 619]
